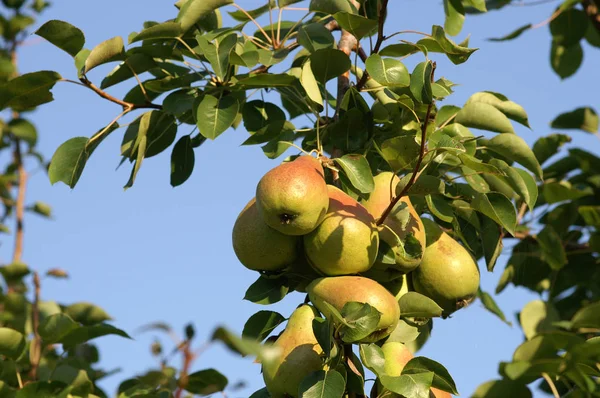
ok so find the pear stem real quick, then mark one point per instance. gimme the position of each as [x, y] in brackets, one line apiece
[415, 174]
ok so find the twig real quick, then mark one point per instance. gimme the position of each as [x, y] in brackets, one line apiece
[188, 358]
[20, 205]
[551, 384]
[380, 39]
[254, 21]
[35, 322]
[126, 105]
[415, 173]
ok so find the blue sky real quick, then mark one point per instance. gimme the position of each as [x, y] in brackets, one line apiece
[155, 253]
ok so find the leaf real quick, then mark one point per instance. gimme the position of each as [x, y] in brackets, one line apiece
[329, 63]
[309, 83]
[565, 61]
[322, 384]
[502, 388]
[12, 343]
[413, 304]
[520, 181]
[331, 6]
[86, 313]
[24, 130]
[107, 51]
[215, 115]
[87, 333]
[457, 53]
[165, 30]
[590, 215]
[555, 192]
[510, 109]
[388, 71]
[546, 147]
[490, 304]
[63, 35]
[373, 358]
[420, 82]
[266, 291]
[455, 16]
[536, 317]
[358, 25]
[75, 378]
[28, 90]
[194, 11]
[206, 382]
[553, 251]
[569, 27]
[268, 80]
[136, 63]
[497, 207]
[261, 324]
[358, 171]
[218, 52]
[514, 34]
[182, 161]
[262, 393]
[585, 119]
[441, 379]
[315, 37]
[513, 147]
[587, 317]
[424, 185]
[240, 16]
[362, 320]
[44, 389]
[351, 132]
[400, 152]
[481, 115]
[56, 327]
[410, 385]
[279, 145]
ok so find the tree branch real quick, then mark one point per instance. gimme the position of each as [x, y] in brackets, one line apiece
[415, 173]
[382, 13]
[126, 105]
[36, 351]
[20, 205]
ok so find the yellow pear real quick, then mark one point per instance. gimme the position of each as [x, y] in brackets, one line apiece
[447, 274]
[346, 241]
[292, 198]
[300, 355]
[260, 247]
[339, 290]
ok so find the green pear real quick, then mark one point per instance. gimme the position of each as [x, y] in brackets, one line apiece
[260, 247]
[448, 274]
[300, 355]
[402, 229]
[346, 241]
[339, 290]
[292, 198]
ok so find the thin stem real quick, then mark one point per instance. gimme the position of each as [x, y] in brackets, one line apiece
[188, 359]
[271, 25]
[416, 32]
[19, 380]
[551, 384]
[279, 26]
[253, 21]
[35, 322]
[547, 21]
[20, 205]
[415, 173]
[126, 105]
[139, 82]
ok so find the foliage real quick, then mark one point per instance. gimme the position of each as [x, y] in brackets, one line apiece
[462, 166]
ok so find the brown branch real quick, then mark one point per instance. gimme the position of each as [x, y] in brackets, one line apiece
[35, 322]
[126, 105]
[20, 205]
[188, 359]
[415, 173]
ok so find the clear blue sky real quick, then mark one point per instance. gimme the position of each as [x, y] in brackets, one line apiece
[155, 253]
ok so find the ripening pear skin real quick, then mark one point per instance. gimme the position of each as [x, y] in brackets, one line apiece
[340, 290]
[402, 220]
[346, 241]
[300, 355]
[292, 198]
[447, 274]
[260, 247]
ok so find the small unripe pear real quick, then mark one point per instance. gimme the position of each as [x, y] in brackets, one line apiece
[292, 198]
[339, 290]
[260, 247]
[300, 355]
[346, 241]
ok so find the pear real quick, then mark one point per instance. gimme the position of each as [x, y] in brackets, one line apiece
[346, 241]
[397, 287]
[448, 274]
[292, 198]
[300, 355]
[401, 225]
[339, 290]
[260, 247]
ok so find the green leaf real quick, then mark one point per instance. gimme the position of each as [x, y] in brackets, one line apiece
[400, 152]
[206, 382]
[309, 83]
[420, 82]
[215, 115]
[373, 358]
[536, 317]
[357, 25]
[107, 51]
[136, 63]
[555, 192]
[357, 169]
[553, 251]
[441, 379]
[351, 132]
[490, 304]
[75, 378]
[268, 80]
[315, 37]
[388, 71]
[331, 6]
[514, 34]
[182, 161]
[410, 385]
[87, 333]
[194, 11]
[28, 90]
[502, 388]
[414, 304]
[400, 50]
[165, 30]
[24, 130]
[515, 148]
[56, 327]
[590, 215]
[240, 16]
[565, 61]
[457, 53]
[262, 393]
[509, 108]
[322, 384]
[587, 317]
[424, 185]
[481, 115]
[275, 148]
[14, 272]
[329, 63]
[218, 52]
[455, 16]
[261, 324]
[45, 389]
[546, 147]
[585, 119]
[63, 35]
[497, 207]
[362, 319]
[267, 291]
[569, 27]
[86, 313]
[12, 343]
[519, 180]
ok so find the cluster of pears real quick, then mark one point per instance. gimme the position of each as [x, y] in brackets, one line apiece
[328, 243]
